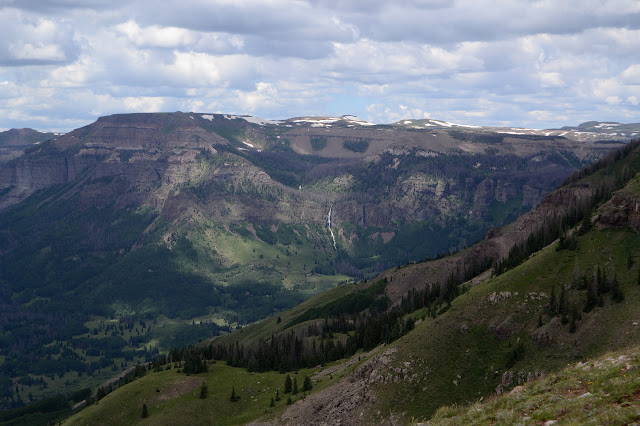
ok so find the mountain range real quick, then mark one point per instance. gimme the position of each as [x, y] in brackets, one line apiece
[143, 232]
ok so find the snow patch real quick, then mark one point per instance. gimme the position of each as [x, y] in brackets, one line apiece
[207, 117]
[326, 121]
[442, 123]
[407, 122]
[466, 125]
[317, 121]
[355, 120]
[254, 120]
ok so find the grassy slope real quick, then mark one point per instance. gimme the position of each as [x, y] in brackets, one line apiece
[477, 359]
[601, 391]
[172, 397]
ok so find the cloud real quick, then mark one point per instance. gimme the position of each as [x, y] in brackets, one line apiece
[389, 114]
[541, 63]
[631, 75]
[34, 40]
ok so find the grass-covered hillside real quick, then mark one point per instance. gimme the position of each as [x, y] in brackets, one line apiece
[603, 390]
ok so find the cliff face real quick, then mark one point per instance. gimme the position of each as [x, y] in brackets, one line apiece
[623, 209]
[293, 171]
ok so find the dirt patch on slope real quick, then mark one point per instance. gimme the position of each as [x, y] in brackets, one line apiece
[179, 388]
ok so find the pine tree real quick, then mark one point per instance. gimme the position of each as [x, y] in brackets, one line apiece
[273, 404]
[552, 303]
[616, 292]
[289, 402]
[277, 395]
[295, 385]
[307, 386]
[287, 384]
[562, 305]
[233, 397]
[204, 391]
[145, 411]
[593, 299]
[574, 318]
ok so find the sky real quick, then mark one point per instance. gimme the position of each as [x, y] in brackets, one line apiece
[520, 63]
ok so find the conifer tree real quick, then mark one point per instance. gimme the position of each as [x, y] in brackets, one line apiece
[574, 318]
[562, 305]
[204, 391]
[552, 302]
[145, 411]
[307, 386]
[277, 395]
[287, 384]
[273, 404]
[295, 385]
[616, 292]
[233, 397]
[593, 299]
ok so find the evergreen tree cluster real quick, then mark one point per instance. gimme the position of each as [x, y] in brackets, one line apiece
[595, 285]
[317, 344]
[193, 359]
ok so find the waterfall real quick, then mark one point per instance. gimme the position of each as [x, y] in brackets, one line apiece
[330, 230]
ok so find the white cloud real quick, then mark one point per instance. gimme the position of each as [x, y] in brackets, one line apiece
[551, 79]
[612, 100]
[29, 40]
[155, 36]
[379, 113]
[632, 74]
[264, 96]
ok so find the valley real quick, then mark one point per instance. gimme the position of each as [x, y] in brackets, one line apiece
[145, 232]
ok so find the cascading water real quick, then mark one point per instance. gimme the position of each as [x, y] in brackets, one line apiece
[330, 230]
